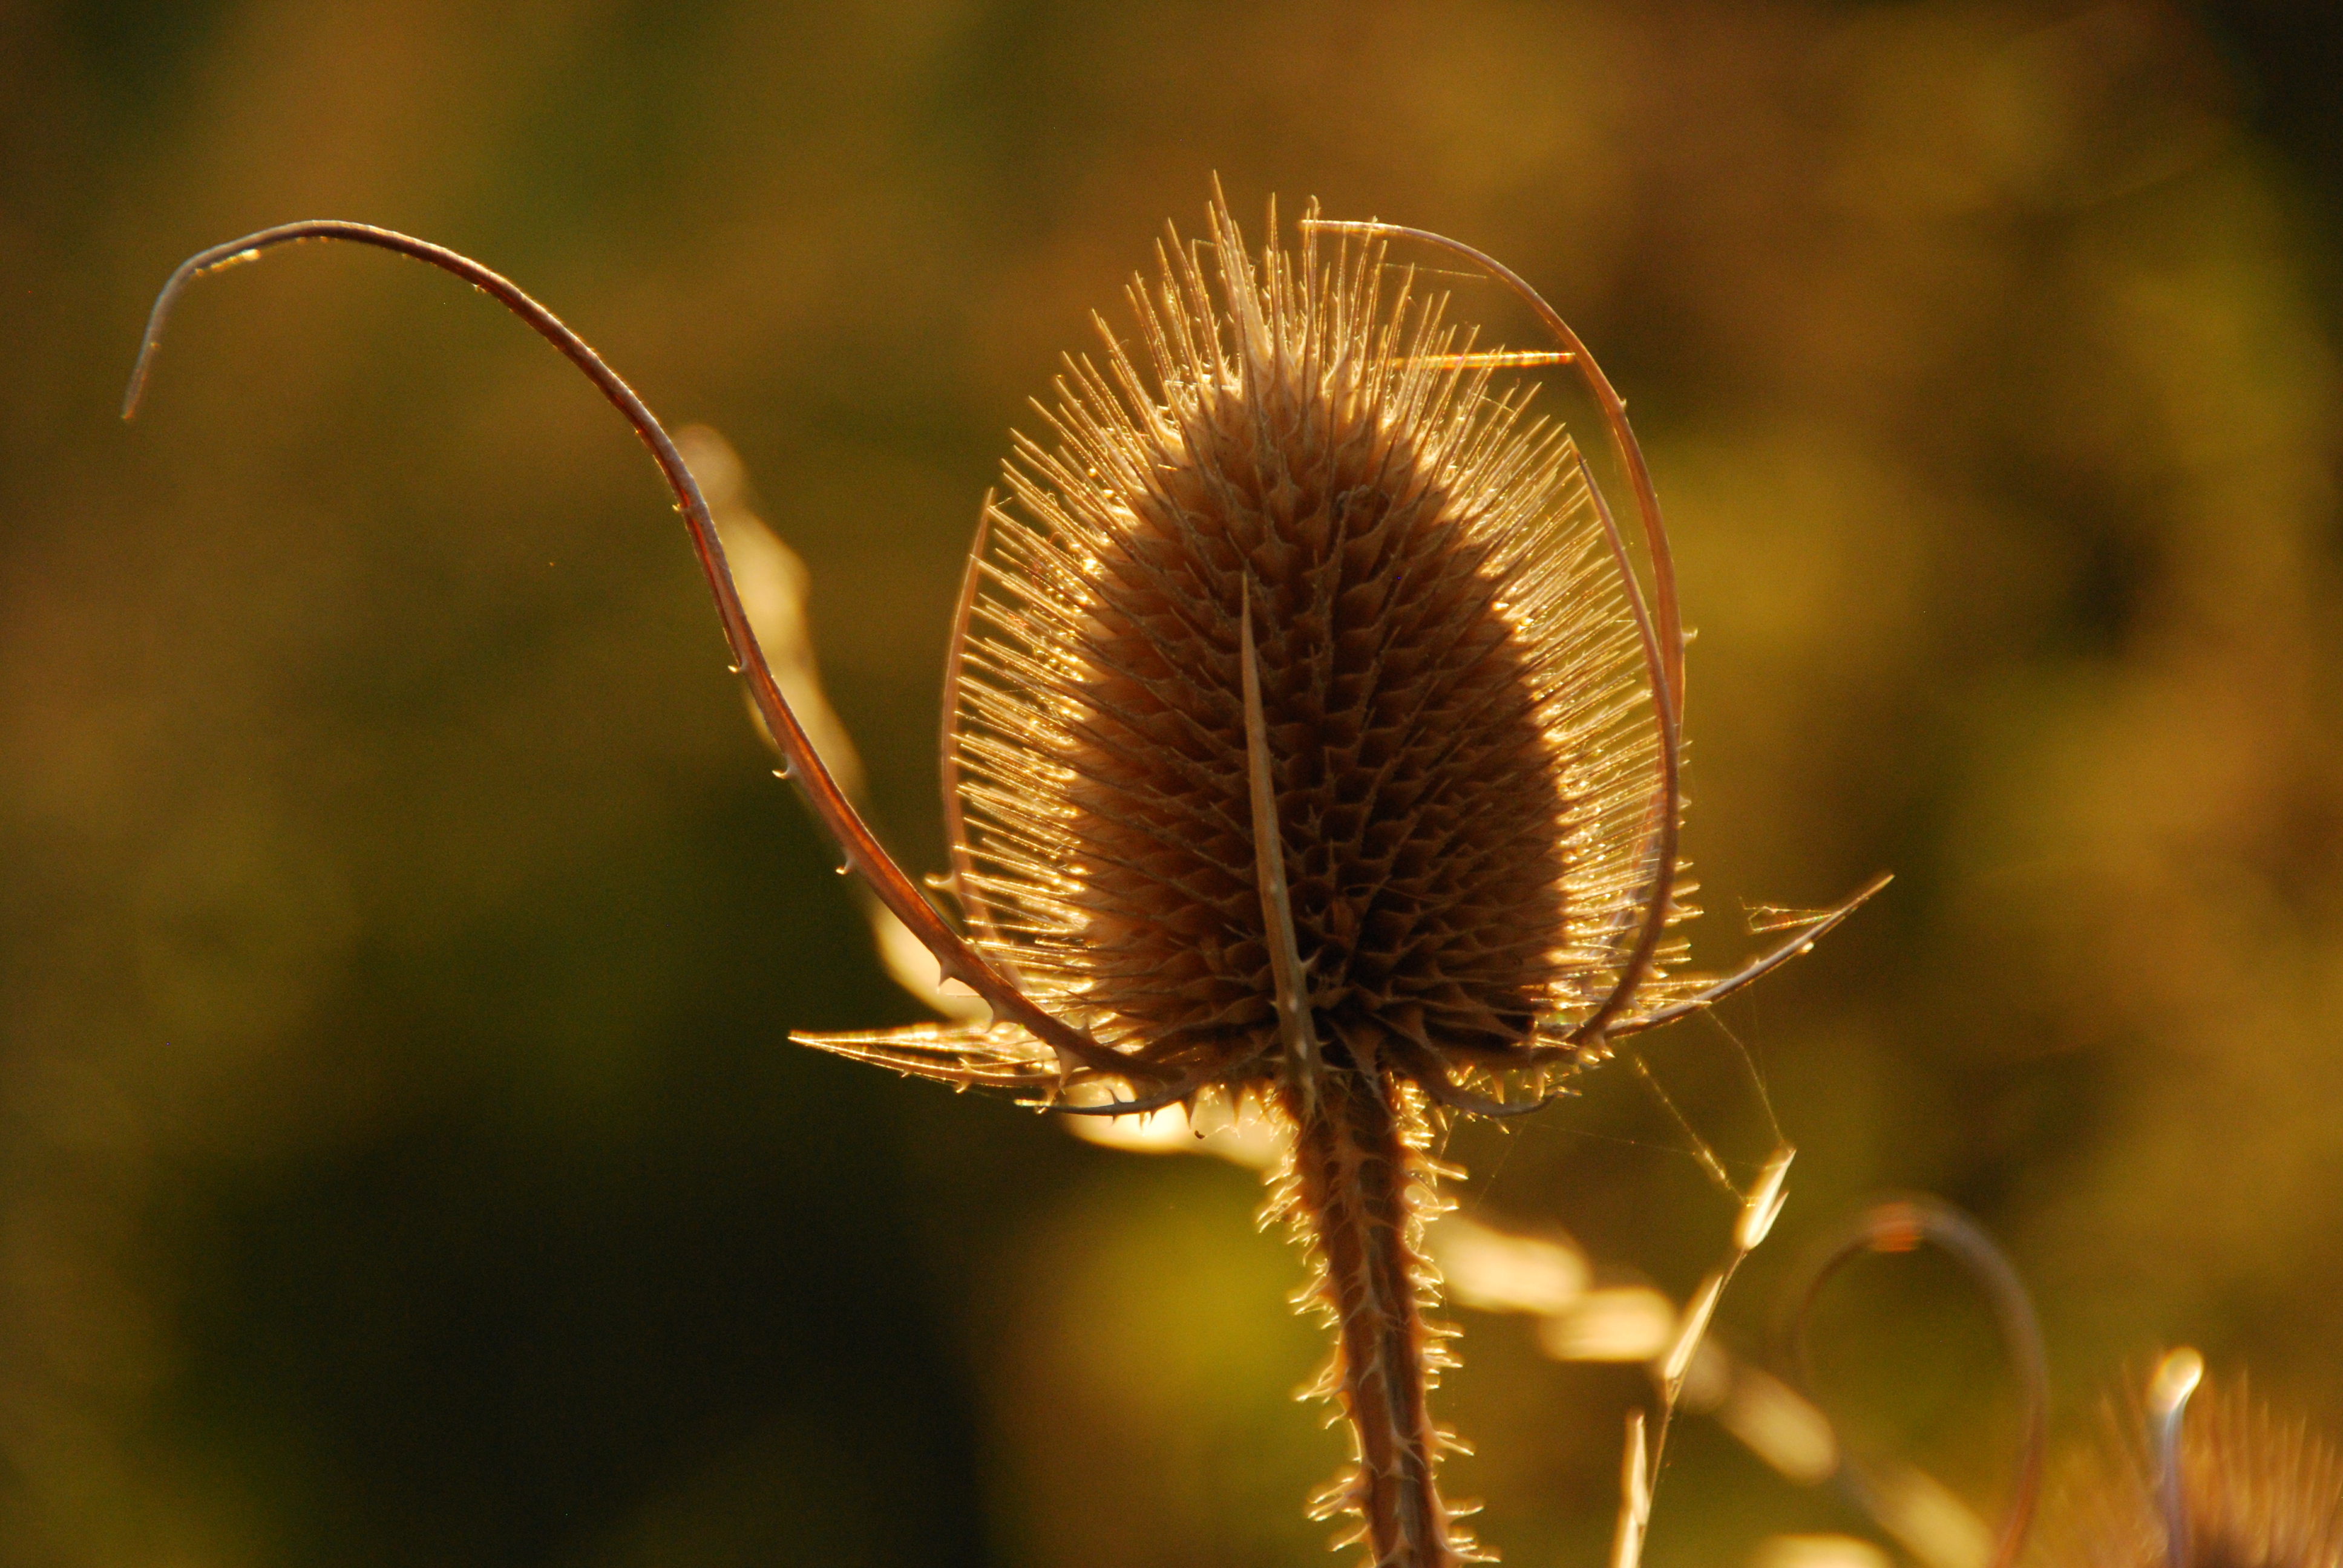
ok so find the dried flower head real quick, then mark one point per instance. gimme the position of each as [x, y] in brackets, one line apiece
[2215, 1481]
[1440, 652]
[1311, 738]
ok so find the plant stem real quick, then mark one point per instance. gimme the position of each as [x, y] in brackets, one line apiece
[1357, 1188]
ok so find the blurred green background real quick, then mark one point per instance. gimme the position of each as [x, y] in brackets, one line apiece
[403, 1161]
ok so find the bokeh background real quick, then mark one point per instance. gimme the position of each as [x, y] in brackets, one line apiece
[401, 1158]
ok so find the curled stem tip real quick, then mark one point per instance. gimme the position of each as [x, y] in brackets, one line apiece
[2176, 1377]
[1902, 1225]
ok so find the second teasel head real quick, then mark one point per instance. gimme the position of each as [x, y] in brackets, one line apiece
[2197, 1478]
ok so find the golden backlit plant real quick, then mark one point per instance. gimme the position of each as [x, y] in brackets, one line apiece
[1313, 741]
[2187, 1477]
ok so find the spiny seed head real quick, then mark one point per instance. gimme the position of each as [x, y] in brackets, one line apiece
[1450, 684]
[2256, 1491]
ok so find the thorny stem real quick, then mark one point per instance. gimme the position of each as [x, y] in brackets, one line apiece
[1356, 1187]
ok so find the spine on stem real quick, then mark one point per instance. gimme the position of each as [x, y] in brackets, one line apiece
[1357, 1189]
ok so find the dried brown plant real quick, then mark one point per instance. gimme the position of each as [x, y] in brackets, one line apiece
[2218, 1481]
[1312, 738]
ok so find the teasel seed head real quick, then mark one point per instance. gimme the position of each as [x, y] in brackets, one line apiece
[1448, 677]
[2216, 1481]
